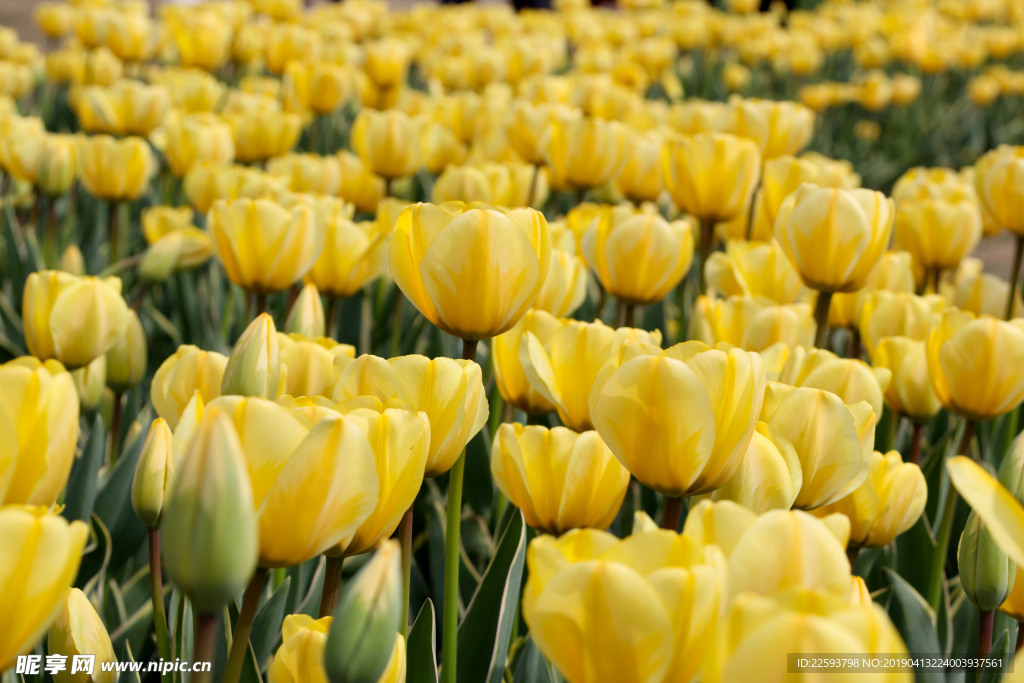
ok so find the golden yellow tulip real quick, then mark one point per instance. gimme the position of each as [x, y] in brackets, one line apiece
[450, 392]
[583, 153]
[202, 39]
[285, 43]
[318, 86]
[719, 523]
[299, 659]
[187, 371]
[473, 272]
[387, 62]
[386, 141]
[308, 172]
[54, 19]
[938, 232]
[999, 179]
[440, 147]
[909, 392]
[850, 379]
[116, 170]
[529, 124]
[79, 630]
[985, 294]
[896, 314]
[359, 185]
[778, 127]
[309, 366]
[353, 253]
[193, 91]
[751, 323]
[463, 184]
[758, 269]
[640, 179]
[58, 164]
[207, 182]
[769, 476]
[509, 374]
[177, 250]
[692, 165]
[124, 108]
[560, 479]
[130, 35]
[565, 286]
[191, 138]
[41, 553]
[893, 273]
[260, 135]
[37, 445]
[160, 221]
[70, 318]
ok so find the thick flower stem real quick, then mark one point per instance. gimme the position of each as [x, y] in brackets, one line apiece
[707, 239]
[986, 621]
[332, 585]
[405, 539]
[332, 305]
[113, 236]
[532, 196]
[449, 653]
[396, 324]
[670, 520]
[821, 318]
[206, 644]
[946, 526]
[115, 427]
[1020, 637]
[156, 589]
[915, 443]
[240, 637]
[1018, 254]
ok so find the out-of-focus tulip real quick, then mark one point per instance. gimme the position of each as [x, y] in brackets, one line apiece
[210, 538]
[361, 639]
[203, 40]
[285, 43]
[188, 370]
[117, 170]
[440, 147]
[353, 254]
[70, 318]
[968, 362]
[90, 382]
[529, 124]
[985, 294]
[561, 480]
[260, 135]
[263, 246]
[72, 261]
[639, 257]
[888, 502]
[565, 286]
[778, 127]
[751, 323]
[938, 232]
[986, 573]
[758, 269]
[126, 359]
[307, 314]
[54, 19]
[473, 272]
[310, 366]
[896, 314]
[359, 185]
[640, 179]
[449, 391]
[254, 366]
[39, 409]
[999, 179]
[78, 630]
[43, 552]
[125, 108]
[769, 476]
[130, 36]
[564, 368]
[692, 167]
[850, 379]
[834, 237]
[386, 141]
[387, 62]
[207, 182]
[154, 474]
[178, 250]
[58, 164]
[909, 392]
[658, 595]
[159, 221]
[833, 441]
[308, 172]
[318, 86]
[893, 273]
[191, 138]
[583, 152]
[509, 375]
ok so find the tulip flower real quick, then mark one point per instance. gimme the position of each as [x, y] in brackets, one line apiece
[57, 164]
[154, 474]
[720, 523]
[309, 365]
[529, 124]
[640, 180]
[178, 250]
[893, 273]
[73, 319]
[565, 286]
[125, 108]
[850, 379]
[758, 269]
[130, 36]
[126, 359]
[288, 42]
[938, 232]
[318, 86]
[473, 272]
[999, 177]
[968, 361]
[909, 392]
[387, 62]
[308, 172]
[896, 314]
[191, 138]
[583, 153]
[306, 316]
[187, 371]
[37, 443]
[353, 254]
[779, 128]
[299, 659]
[692, 167]
[751, 323]
[440, 147]
[54, 19]
[203, 39]
[986, 573]
[116, 170]
[714, 396]
[260, 135]
[769, 476]
[561, 480]
[449, 391]
[986, 294]
[78, 630]
[254, 366]
[44, 551]
[509, 373]
[90, 383]
[386, 142]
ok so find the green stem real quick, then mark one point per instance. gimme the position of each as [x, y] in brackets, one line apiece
[332, 585]
[1018, 253]
[405, 538]
[531, 197]
[935, 585]
[156, 589]
[115, 427]
[243, 627]
[396, 323]
[113, 236]
[707, 239]
[206, 644]
[821, 318]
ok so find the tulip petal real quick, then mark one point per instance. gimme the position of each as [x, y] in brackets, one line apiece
[1002, 514]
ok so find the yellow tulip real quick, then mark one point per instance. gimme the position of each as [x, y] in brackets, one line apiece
[124, 108]
[127, 359]
[999, 179]
[833, 441]
[450, 392]
[387, 62]
[939, 232]
[130, 36]
[473, 272]
[985, 294]
[769, 476]
[90, 383]
[207, 182]
[850, 379]
[565, 286]
[300, 657]
[21, 147]
[40, 558]
[751, 323]
[39, 414]
[560, 479]
[187, 371]
[309, 365]
[73, 319]
[720, 523]
[318, 86]
[55, 19]
[285, 43]
[359, 185]
[78, 630]
[640, 180]
[116, 170]
[203, 40]
[263, 246]
[783, 175]
[909, 392]
[463, 184]
[778, 127]
[646, 608]
[260, 135]
[583, 153]
[509, 374]
[192, 91]
[563, 368]
[58, 164]
[758, 269]
[896, 314]
[920, 183]
[154, 474]
[191, 138]
[386, 141]
[440, 147]
[160, 221]
[308, 172]
[353, 253]
[692, 167]
[178, 250]
[638, 257]
[529, 124]
[893, 273]
[834, 237]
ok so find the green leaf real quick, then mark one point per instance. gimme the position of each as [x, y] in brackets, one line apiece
[532, 667]
[421, 649]
[113, 506]
[1002, 649]
[915, 621]
[915, 550]
[266, 626]
[486, 632]
[81, 489]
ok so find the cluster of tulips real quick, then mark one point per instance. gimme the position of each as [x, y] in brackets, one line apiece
[314, 319]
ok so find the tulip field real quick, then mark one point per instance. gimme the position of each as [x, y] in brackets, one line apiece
[645, 343]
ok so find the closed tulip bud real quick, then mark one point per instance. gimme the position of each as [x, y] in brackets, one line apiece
[254, 366]
[560, 479]
[309, 366]
[968, 360]
[854, 223]
[850, 379]
[260, 135]
[529, 124]
[353, 254]
[386, 141]
[202, 39]
[362, 636]
[72, 261]
[321, 87]
[43, 552]
[506, 257]
[73, 319]
[909, 392]
[154, 473]
[116, 170]
[661, 594]
[210, 534]
[263, 246]
[188, 370]
[778, 127]
[833, 441]
[90, 382]
[359, 184]
[54, 19]
[638, 257]
[78, 630]
[716, 397]
[191, 138]
[37, 444]
[692, 165]
[640, 179]
[986, 573]
[758, 269]
[178, 250]
[769, 476]
[888, 502]
[565, 286]
[126, 359]
[509, 374]
[58, 164]
[449, 391]
[999, 179]
[307, 314]
[584, 152]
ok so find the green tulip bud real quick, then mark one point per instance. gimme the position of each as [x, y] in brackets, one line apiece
[126, 359]
[159, 261]
[362, 636]
[72, 261]
[986, 573]
[90, 382]
[307, 314]
[153, 474]
[210, 533]
[254, 366]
